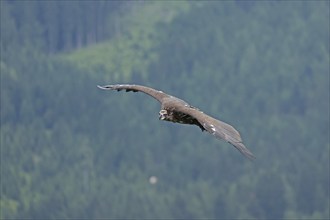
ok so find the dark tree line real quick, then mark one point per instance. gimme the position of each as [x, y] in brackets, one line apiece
[62, 25]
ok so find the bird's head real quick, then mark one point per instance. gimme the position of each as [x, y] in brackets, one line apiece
[162, 114]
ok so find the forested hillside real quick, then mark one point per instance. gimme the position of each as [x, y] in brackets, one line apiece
[70, 150]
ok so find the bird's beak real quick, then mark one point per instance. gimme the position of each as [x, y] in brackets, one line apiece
[162, 114]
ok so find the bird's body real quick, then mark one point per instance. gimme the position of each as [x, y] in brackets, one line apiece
[178, 111]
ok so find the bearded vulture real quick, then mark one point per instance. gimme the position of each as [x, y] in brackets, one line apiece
[178, 111]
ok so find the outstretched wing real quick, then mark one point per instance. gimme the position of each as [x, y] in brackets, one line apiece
[159, 95]
[219, 129]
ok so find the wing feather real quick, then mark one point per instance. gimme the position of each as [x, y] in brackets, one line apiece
[158, 95]
[219, 129]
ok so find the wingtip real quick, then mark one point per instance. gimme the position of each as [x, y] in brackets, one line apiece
[103, 87]
[248, 154]
[241, 148]
[251, 157]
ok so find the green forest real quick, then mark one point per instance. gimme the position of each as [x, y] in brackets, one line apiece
[72, 151]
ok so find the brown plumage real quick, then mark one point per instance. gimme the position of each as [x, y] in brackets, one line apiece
[178, 111]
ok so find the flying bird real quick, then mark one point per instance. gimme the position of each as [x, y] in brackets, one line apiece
[178, 111]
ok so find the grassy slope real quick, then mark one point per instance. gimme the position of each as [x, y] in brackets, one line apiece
[132, 50]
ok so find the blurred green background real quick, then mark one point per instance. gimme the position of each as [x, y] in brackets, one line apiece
[70, 150]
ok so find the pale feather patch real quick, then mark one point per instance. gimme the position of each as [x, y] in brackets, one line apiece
[212, 128]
